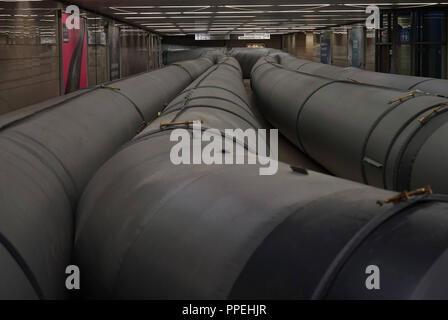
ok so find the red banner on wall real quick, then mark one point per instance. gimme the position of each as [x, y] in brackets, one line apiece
[74, 55]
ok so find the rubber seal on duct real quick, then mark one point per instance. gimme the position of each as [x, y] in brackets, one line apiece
[413, 146]
[15, 254]
[339, 261]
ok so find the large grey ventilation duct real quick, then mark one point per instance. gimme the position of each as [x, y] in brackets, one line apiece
[402, 82]
[175, 55]
[387, 138]
[247, 57]
[147, 228]
[48, 154]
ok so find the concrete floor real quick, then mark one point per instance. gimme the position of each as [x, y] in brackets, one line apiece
[287, 152]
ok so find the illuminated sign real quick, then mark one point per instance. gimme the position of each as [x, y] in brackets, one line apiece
[206, 36]
[255, 36]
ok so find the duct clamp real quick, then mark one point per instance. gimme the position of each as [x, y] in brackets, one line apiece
[409, 95]
[353, 80]
[103, 86]
[406, 195]
[432, 113]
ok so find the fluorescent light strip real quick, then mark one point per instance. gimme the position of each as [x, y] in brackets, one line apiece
[247, 5]
[304, 5]
[240, 12]
[192, 27]
[153, 7]
[348, 19]
[143, 18]
[393, 4]
[262, 23]
[343, 11]
[229, 20]
[195, 12]
[190, 17]
[321, 15]
[261, 20]
[167, 7]
[220, 17]
[291, 11]
[264, 12]
[157, 24]
[162, 13]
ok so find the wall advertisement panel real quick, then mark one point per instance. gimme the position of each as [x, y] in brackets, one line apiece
[325, 47]
[113, 35]
[74, 55]
[356, 45]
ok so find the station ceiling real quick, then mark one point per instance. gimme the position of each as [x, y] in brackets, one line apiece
[183, 17]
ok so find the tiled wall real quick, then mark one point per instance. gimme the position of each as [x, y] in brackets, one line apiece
[306, 45]
[339, 50]
[134, 51]
[30, 53]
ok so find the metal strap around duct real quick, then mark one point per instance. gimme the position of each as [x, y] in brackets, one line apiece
[412, 87]
[339, 261]
[187, 99]
[75, 96]
[215, 87]
[394, 139]
[118, 90]
[20, 118]
[183, 68]
[364, 158]
[148, 134]
[411, 148]
[75, 189]
[306, 100]
[15, 254]
[82, 92]
[224, 62]
[302, 106]
[298, 69]
[181, 110]
[267, 61]
[418, 83]
[70, 193]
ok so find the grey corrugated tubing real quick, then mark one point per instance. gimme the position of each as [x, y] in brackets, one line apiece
[147, 228]
[48, 154]
[356, 131]
[397, 81]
